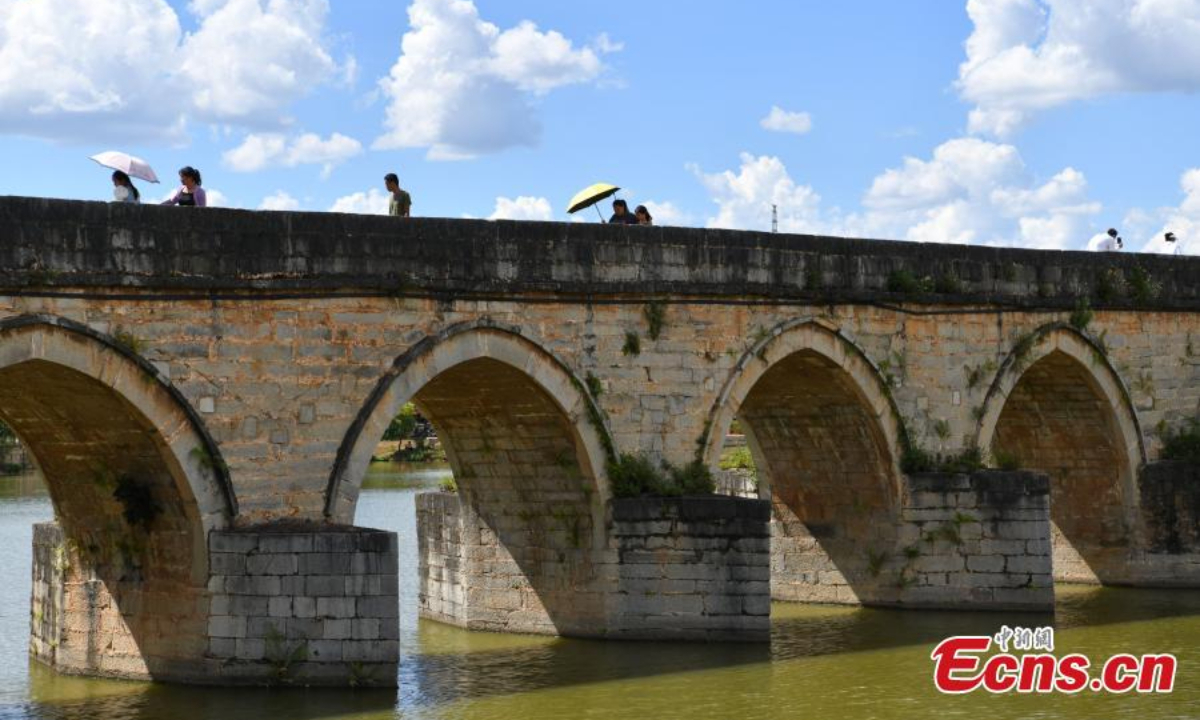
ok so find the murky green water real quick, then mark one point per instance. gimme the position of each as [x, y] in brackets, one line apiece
[821, 663]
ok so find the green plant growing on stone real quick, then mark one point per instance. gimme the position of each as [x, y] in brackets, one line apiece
[594, 386]
[1110, 285]
[905, 283]
[941, 428]
[976, 374]
[636, 475]
[128, 340]
[632, 475]
[875, 562]
[812, 278]
[41, 277]
[205, 461]
[361, 675]
[655, 313]
[947, 284]
[759, 339]
[912, 552]
[1143, 289]
[692, 479]
[897, 361]
[915, 459]
[1181, 444]
[1005, 460]
[1082, 315]
[633, 345]
[281, 656]
[1021, 350]
[1144, 383]
[448, 485]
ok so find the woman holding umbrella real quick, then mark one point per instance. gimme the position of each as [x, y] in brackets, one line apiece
[124, 190]
[191, 194]
[126, 167]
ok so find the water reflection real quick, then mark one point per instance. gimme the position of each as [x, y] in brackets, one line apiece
[821, 662]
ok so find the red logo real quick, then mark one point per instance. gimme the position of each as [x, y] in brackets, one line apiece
[962, 665]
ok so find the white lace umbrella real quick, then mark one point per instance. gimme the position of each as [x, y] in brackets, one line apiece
[128, 164]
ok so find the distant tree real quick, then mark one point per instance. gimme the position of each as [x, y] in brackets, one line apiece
[408, 425]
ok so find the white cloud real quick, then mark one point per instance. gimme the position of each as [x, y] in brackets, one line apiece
[974, 191]
[1025, 56]
[969, 191]
[780, 120]
[668, 213]
[250, 57]
[218, 199]
[264, 150]
[372, 202]
[744, 199]
[522, 208]
[281, 200]
[1183, 220]
[123, 70]
[462, 87]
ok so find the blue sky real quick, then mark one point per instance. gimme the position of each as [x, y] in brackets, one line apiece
[1020, 122]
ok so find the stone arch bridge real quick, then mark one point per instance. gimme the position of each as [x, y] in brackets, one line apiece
[202, 391]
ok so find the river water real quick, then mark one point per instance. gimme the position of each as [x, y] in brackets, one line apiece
[822, 662]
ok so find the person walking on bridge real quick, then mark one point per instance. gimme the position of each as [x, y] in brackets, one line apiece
[190, 194]
[400, 203]
[124, 190]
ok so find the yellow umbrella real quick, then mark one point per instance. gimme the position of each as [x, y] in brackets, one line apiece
[590, 196]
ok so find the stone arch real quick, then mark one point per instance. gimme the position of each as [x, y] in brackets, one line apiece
[824, 432]
[528, 450]
[103, 424]
[1059, 406]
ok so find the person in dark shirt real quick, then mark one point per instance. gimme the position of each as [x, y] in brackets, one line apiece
[400, 202]
[621, 214]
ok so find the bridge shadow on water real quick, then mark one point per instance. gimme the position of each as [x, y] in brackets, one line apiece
[797, 632]
[447, 665]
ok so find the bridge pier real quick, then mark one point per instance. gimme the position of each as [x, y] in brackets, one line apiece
[284, 606]
[1170, 504]
[978, 541]
[674, 568]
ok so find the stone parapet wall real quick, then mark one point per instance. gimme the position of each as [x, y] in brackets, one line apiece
[312, 607]
[106, 244]
[694, 568]
[975, 542]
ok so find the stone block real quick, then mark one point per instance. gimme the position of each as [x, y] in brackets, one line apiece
[335, 607]
[227, 626]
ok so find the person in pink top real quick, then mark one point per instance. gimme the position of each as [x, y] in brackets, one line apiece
[191, 194]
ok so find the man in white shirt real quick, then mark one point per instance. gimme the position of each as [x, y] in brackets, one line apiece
[1111, 242]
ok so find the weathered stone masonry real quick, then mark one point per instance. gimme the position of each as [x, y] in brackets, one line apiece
[690, 568]
[261, 355]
